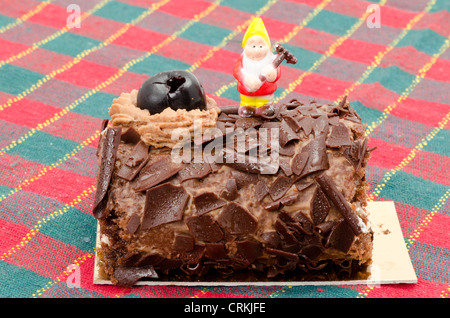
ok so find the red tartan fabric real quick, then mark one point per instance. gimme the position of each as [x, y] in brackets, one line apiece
[58, 79]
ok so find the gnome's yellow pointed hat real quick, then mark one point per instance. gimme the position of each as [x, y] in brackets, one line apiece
[256, 28]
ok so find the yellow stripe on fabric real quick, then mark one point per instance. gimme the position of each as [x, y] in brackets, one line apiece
[36, 228]
[111, 79]
[65, 274]
[326, 55]
[411, 155]
[78, 58]
[390, 47]
[230, 36]
[53, 36]
[290, 35]
[25, 16]
[52, 166]
[421, 75]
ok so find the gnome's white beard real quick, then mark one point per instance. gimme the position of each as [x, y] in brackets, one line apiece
[254, 67]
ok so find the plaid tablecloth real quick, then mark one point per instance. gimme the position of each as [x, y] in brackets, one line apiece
[57, 81]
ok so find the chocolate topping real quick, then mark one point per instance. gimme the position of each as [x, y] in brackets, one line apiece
[250, 250]
[164, 204]
[286, 133]
[231, 191]
[317, 155]
[339, 137]
[183, 243]
[156, 172]
[279, 187]
[133, 223]
[194, 171]
[285, 165]
[216, 251]
[237, 220]
[204, 228]
[335, 196]
[341, 236]
[299, 162]
[109, 144]
[261, 190]
[207, 201]
[135, 162]
[319, 206]
[128, 276]
[356, 152]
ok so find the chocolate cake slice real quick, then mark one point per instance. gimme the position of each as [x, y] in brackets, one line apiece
[244, 199]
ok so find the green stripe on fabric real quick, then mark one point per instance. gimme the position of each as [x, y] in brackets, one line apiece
[205, 33]
[248, 6]
[410, 189]
[157, 63]
[74, 227]
[18, 282]
[332, 22]
[5, 190]
[315, 292]
[15, 80]
[43, 148]
[367, 114]
[392, 78]
[5, 20]
[441, 5]
[97, 105]
[306, 57]
[424, 40]
[119, 11]
[440, 143]
[232, 94]
[70, 44]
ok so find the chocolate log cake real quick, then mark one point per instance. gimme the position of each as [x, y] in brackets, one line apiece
[275, 196]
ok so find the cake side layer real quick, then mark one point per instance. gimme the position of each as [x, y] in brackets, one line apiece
[230, 216]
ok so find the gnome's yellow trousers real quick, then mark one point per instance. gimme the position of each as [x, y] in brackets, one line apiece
[256, 101]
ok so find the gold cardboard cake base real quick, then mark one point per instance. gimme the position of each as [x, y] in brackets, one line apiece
[390, 262]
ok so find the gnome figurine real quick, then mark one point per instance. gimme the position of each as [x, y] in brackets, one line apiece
[256, 73]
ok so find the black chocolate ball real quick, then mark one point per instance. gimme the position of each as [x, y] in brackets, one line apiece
[175, 89]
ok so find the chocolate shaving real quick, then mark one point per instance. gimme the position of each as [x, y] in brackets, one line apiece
[279, 187]
[302, 185]
[150, 259]
[244, 179]
[204, 228]
[319, 206]
[339, 137]
[271, 239]
[299, 162]
[246, 123]
[317, 155]
[292, 121]
[281, 253]
[137, 159]
[286, 133]
[356, 152]
[307, 124]
[284, 201]
[216, 251]
[237, 220]
[231, 191]
[285, 165]
[183, 243]
[341, 236]
[128, 276]
[133, 223]
[164, 204]
[109, 144]
[285, 233]
[261, 190]
[130, 136]
[194, 170]
[207, 202]
[335, 196]
[156, 172]
[321, 125]
[249, 250]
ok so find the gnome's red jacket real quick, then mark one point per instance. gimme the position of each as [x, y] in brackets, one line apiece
[266, 88]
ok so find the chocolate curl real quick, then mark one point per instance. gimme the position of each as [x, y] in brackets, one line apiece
[108, 146]
[331, 191]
